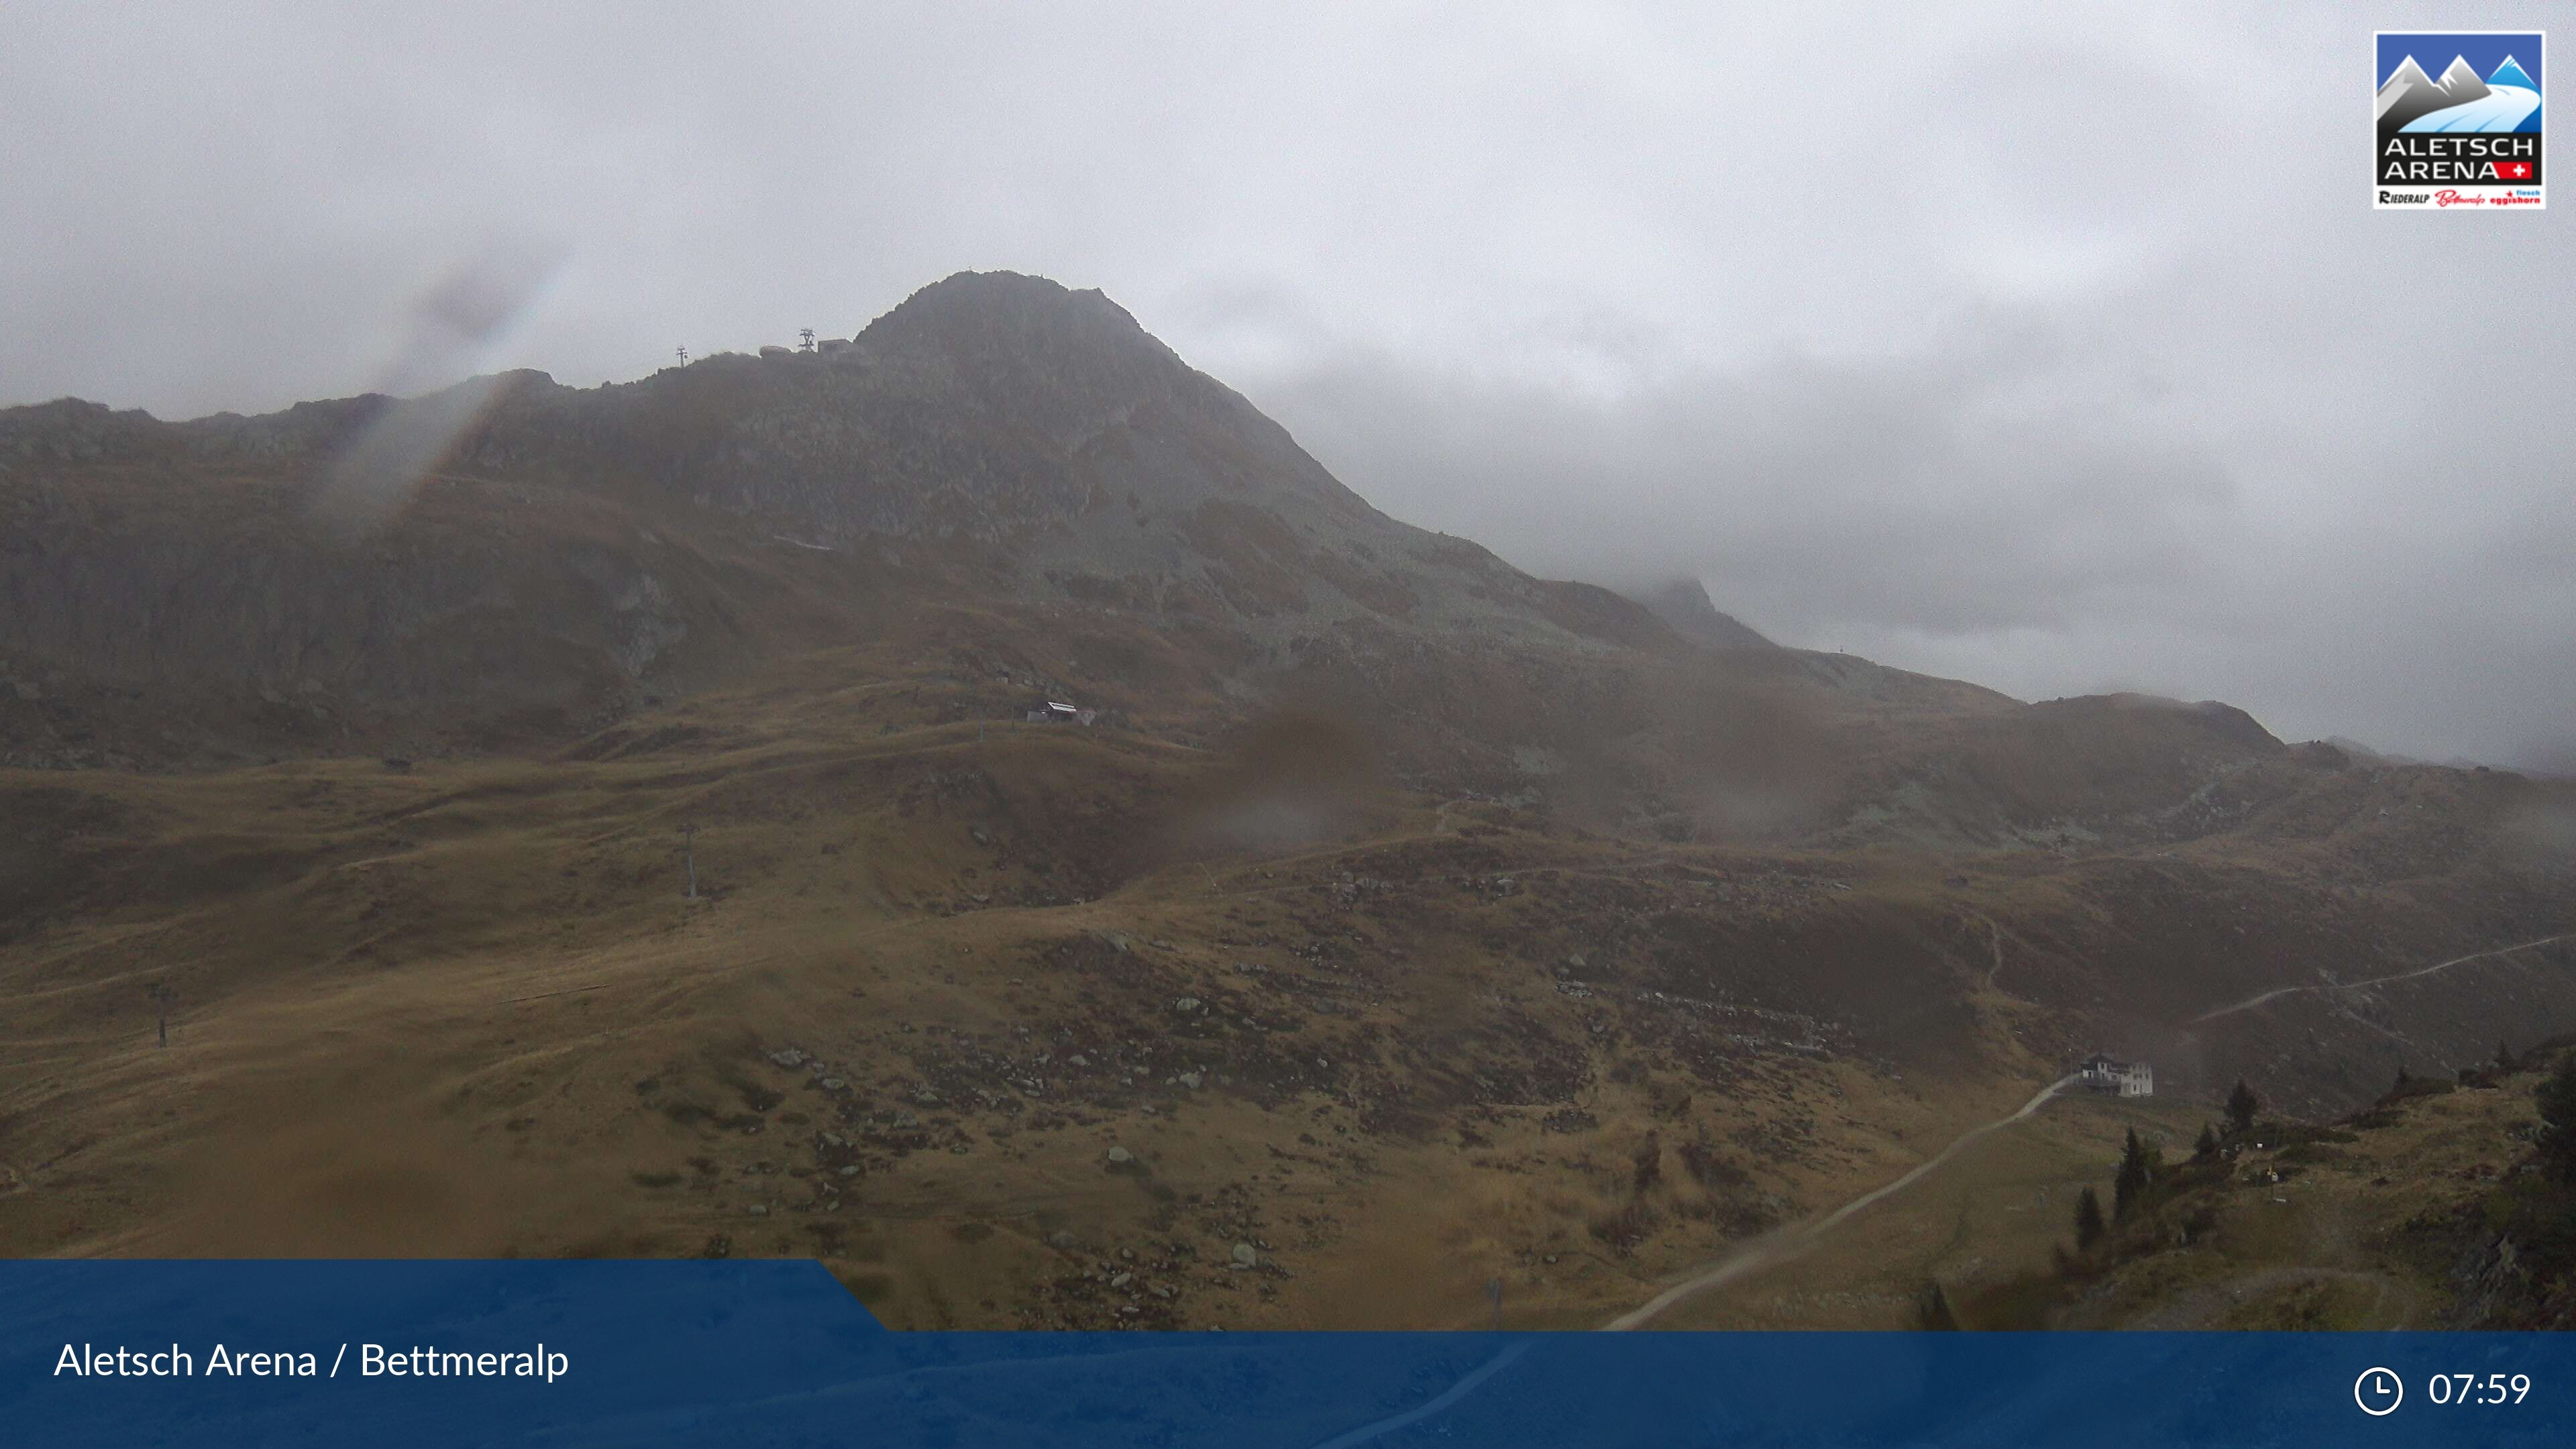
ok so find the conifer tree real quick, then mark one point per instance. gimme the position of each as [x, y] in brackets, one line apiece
[2242, 1104]
[2207, 1147]
[2088, 1219]
[2129, 1188]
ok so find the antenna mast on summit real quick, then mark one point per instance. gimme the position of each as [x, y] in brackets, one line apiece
[808, 334]
[684, 357]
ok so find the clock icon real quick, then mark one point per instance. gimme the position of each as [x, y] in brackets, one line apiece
[2378, 1391]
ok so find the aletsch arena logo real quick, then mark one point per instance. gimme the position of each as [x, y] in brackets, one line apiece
[2466, 136]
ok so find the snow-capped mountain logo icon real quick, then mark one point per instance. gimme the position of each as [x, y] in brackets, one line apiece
[2460, 101]
[2468, 137]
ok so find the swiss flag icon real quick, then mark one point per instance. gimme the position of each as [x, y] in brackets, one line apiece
[2513, 170]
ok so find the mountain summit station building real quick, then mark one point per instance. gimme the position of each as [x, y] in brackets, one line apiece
[2102, 1072]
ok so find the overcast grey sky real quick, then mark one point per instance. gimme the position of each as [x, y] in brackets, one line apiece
[2050, 346]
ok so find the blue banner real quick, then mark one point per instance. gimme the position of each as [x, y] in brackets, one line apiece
[745, 1353]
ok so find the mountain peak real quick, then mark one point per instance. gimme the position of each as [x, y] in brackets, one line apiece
[999, 291]
[2461, 80]
[2409, 95]
[1011, 313]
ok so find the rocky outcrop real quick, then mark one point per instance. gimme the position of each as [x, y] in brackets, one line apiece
[1684, 604]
